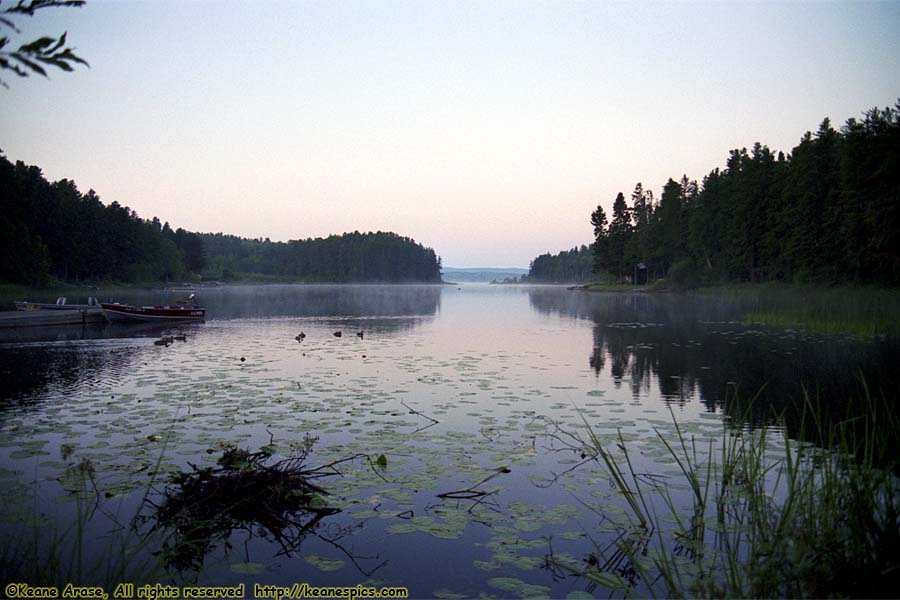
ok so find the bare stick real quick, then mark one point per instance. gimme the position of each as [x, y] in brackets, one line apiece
[415, 412]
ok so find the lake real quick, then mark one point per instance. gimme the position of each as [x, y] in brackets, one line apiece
[461, 411]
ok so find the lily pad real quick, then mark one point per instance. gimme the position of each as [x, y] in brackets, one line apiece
[324, 564]
[248, 568]
[519, 588]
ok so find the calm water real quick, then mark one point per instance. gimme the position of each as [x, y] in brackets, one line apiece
[509, 374]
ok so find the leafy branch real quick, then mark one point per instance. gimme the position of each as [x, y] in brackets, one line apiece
[34, 56]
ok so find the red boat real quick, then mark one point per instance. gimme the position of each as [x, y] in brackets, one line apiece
[185, 311]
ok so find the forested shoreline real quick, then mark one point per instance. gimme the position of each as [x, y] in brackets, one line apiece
[52, 231]
[828, 212]
[568, 266]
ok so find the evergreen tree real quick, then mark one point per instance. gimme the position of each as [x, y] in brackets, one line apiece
[601, 240]
[618, 236]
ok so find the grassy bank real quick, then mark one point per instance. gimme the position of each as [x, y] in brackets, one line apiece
[856, 310]
[762, 519]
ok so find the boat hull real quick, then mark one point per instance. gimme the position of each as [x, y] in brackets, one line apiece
[127, 312]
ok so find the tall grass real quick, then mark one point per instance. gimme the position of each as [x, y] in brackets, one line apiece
[856, 310]
[805, 522]
[56, 557]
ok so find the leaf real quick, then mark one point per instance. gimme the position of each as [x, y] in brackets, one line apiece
[67, 54]
[248, 568]
[30, 64]
[519, 588]
[59, 43]
[609, 580]
[381, 461]
[325, 564]
[37, 45]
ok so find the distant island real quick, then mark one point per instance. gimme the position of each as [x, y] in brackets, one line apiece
[52, 232]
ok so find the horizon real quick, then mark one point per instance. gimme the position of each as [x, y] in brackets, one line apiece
[488, 132]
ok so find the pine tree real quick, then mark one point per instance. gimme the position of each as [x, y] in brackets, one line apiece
[619, 234]
[601, 245]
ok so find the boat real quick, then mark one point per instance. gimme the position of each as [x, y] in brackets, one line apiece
[60, 304]
[184, 310]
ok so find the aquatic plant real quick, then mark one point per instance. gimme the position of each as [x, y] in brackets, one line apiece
[806, 521]
[56, 557]
[855, 310]
[206, 505]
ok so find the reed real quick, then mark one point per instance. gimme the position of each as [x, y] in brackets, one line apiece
[807, 521]
[855, 310]
[59, 556]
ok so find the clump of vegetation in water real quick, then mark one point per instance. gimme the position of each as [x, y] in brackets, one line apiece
[808, 521]
[206, 505]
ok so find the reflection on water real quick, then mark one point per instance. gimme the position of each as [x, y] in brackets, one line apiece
[699, 347]
[29, 371]
[458, 387]
[249, 301]
[29, 364]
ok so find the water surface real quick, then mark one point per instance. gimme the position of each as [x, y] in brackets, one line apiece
[451, 384]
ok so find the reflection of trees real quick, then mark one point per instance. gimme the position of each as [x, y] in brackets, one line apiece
[696, 347]
[727, 366]
[27, 371]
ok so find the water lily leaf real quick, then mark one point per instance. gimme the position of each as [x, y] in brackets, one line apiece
[248, 568]
[519, 588]
[324, 564]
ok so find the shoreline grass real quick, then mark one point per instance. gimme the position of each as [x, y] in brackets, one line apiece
[855, 310]
[814, 522]
[863, 311]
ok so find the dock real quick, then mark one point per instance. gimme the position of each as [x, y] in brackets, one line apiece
[48, 318]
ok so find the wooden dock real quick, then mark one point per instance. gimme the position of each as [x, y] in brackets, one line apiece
[47, 318]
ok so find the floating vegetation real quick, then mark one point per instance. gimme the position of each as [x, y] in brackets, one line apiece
[205, 505]
[430, 415]
[519, 588]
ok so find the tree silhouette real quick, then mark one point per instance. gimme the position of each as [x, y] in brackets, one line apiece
[34, 56]
[827, 212]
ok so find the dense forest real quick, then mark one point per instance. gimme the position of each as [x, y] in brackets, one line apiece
[53, 231]
[829, 212]
[569, 266]
[374, 257]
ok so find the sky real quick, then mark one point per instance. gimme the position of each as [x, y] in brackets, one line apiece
[488, 130]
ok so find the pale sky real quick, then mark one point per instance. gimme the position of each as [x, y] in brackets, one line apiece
[487, 130]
